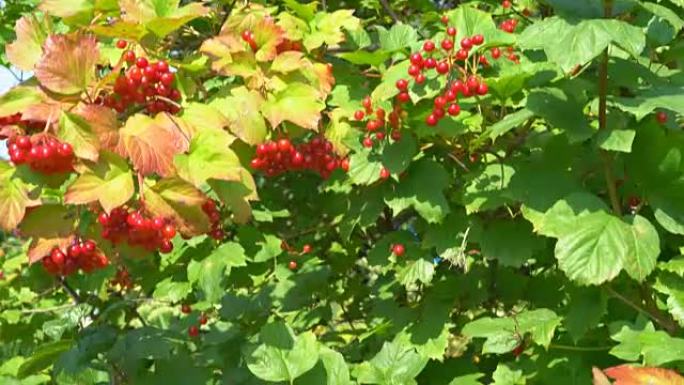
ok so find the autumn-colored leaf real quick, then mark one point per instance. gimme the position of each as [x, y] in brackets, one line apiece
[120, 30]
[151, 143]
[599, 377]
[267, 36]
[68, 63]
[635, 375]
[14, 198]
[68, 8]
[230, 56]
[104, 124]
[180, 201]
[109, 181]
[242, 110]
[298, 103]
[76, 130]
[48, 225]
[25, 52]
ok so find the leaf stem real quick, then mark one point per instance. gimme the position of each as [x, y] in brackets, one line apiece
[580, 348]
[390, 11]
[652, 313]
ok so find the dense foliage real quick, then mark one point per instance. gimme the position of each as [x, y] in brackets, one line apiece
[343, 192]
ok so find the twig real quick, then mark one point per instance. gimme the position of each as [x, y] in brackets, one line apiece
[390, 11]
[650, 314]
[69, 290]
[580, 348]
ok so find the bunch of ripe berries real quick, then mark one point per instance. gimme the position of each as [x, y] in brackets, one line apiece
[378, 122]
[131, 225]
[143, 84]
[277, 157]
[43, 153]
[80, 254]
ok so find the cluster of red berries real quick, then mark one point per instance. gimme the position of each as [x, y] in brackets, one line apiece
[79, 255]
[194, 330]
[211, 209]
[126, 224]
[293, 265]
[289, 45]
[318, 155]
[44, 154]
[378, 122]
[248, 37]
[509, 25]
[122, 278]
[144, 83]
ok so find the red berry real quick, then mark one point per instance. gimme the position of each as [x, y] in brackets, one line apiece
[24, 142]
[292, 265]
[461, 54]
[443, 67]
[185, 308]
[358, 115]
[367, 103]
[431, 120]
[384, 173]
[129, 57]
[496, 52]
[661, 117]
[403, 97]
[402, 84]
[445, 19]
[169, 231]
[447, 44]
[472, 82]
[466, 43]
[141, 62]
[166, 247]
[193, 331]
[477, 39]
[247, 35]
[380, 135]
[203, 319]
[430, 63]
[451, 31]
[103, 219]
[367, 142]
[398, 249]
[121, 44]
[428, 46]
[413, 70]
[450, 95]
[506, 4]
[306, 249]
[420, 79]
[209, 206]
[440, 102]
[217, 234]
[162, 66]
[482, 89]
[416, 59]
[454, 109]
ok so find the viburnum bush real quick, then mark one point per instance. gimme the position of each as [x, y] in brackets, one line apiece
[342, 192]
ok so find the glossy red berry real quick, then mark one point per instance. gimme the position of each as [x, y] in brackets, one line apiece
[203, 319]
[413, 70]
[403, 97]
[451, 31]
[466, 43]
[428, 46]
[420, 79]
[430, 63]
[186, 309]
[506, 4]
[121, 44]
[359, 115]
[306, 249]
[477, 39]
[402, 84]
[384, 173]
[129, 57]
[445, 19]
[141, 62]
[661, 117]
[292, 265]
[367, 103]
[496, 52]
[447, 44]
[454, 109]
[431, 120]
[193, 331]
[416, 59]
[398, 249]
[482, 89]
[442, 67]
[367, 142]
[440, 102]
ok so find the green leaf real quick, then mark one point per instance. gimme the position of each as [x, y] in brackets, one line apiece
[14, 198]
[364, 169]
[594, 249]
[672, 286]
[470, 21]
[560, 218]
[586, 308]
[422, 189]
[399, 37]
[299, 103]
[175, 199]
[419, 270]
[512, 243]
[669, 97]
[360, 57]
[280, 355]
[644, 248]
[171, 291]
[43, 357]
[209, 273]
[616, 140]
[397, 156]
[108, 181]
[508, 123]
[656, 347]
[25, 51]
[394, 364]
[241, 109]
[664, 13]
[540, 323]
[209, 157]
[562, 111]
[488, 189]
[76, 131]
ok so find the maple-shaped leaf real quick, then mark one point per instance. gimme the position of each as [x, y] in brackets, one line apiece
[67, 65]
[76, 131]
[151, 143]
[241, 109]
[299, 103]
[76, 10]
[19, 98]
[328, 28]
[25, 52]
[203, 116]
[161, 17]
[209, 157]
[49, 226]
[635, 375]
[230, 56]
[109, 181]
[104, 124]
[179, 201]
[14, 198]
[267, 36]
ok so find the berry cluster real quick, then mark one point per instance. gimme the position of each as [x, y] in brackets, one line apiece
[509, 25]
[378, 122]
[277, 157]
[248, 37]
[194, 330]
[143, 83]
[449, 61]
[289, 45]
[122, 278]
[79, 255]
[210, 208]
[137, 230]
[44, 154]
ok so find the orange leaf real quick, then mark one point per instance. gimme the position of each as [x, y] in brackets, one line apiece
[49, 225]
[635, 375]
[104, 123]
[181, 201]
[229, 56]
[599, 377]
[27, 49]
[14, 198]
[151, 144]
[68, 63]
